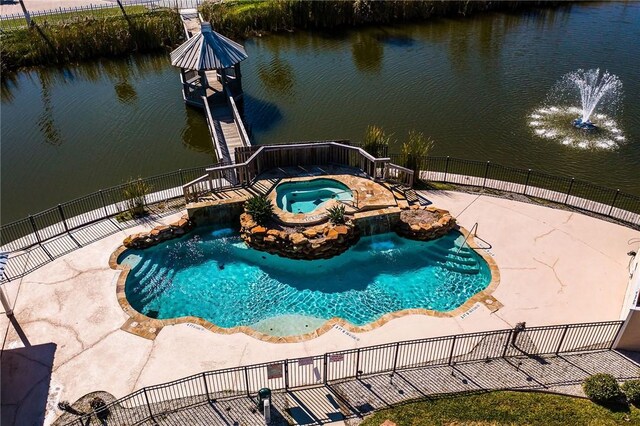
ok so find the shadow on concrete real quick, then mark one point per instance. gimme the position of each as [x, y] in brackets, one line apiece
[25, 374]
[356, 397]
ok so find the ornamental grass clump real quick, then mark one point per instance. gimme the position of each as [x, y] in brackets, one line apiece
[631, 389]
[134, 194]
[602, 388]
[336, 214]
[376, 141]
[260, 208]
[415, 152]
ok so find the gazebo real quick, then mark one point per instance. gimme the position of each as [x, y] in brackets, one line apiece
[209, 60]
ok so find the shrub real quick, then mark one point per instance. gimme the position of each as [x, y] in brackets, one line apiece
[631, 389]
[259, 207]
[134, 193]
[376, 141]
[336, 214]
[602, 388]
[415, 150]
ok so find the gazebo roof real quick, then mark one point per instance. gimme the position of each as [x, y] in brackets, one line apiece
[208, 50]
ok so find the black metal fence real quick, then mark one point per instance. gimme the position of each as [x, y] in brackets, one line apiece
[18, 237]
[558, 189]
[33, 231]
[318, 370]
[64, 15]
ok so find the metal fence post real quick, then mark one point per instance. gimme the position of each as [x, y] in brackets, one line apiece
[453, 345]
[486, 172]
[146, 397]
[357, 362]
[35, 229]
[615, 337]
[104, 204]
[286, 374]
[206, 387]
[64, 221]
[613, 203]
[324, 369]
[446, 169]
[395, 357]
[181, 177]
[246, 380]
[564, 333]
[526, 182]
[506, 345]
[569, 191]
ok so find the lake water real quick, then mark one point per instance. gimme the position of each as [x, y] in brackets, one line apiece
[471, 84]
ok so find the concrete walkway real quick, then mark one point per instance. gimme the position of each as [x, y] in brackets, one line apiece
[556, 266]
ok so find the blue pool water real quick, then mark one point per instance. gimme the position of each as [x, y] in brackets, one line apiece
[306, 196]
[210, 273]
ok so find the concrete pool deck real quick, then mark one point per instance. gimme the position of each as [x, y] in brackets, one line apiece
[556, 267]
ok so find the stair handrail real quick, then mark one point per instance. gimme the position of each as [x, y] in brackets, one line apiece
[475, 226]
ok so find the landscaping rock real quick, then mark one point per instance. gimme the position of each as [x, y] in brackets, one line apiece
[424, 223]
[315, 242]
[158, 234]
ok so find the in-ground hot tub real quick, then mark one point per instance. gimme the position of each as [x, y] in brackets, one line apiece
[306, 196]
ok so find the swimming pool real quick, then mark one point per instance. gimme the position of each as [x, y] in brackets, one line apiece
[306, 196]
[211, 273]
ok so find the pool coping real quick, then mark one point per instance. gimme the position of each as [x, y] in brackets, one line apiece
[148, 328]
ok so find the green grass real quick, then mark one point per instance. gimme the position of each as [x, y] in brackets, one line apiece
[506, 408]
[71, 17]
[111, 36]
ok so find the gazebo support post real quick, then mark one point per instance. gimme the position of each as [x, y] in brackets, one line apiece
[236, 69]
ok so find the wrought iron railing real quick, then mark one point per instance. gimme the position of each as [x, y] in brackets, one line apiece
[154, 401]
[19, 236]
[562, 190]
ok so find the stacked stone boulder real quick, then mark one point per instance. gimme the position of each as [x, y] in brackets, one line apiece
[321, 241]
[159, 234]
[433, 223]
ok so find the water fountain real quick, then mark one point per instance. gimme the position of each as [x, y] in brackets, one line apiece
[593, 88]
[598, 96]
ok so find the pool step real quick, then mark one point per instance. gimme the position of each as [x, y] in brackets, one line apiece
[157, 284]
[464, 252]
[143, 268]
[148, 278]
[149, 271]
[462, 262]
[452, 258]
[468, 270]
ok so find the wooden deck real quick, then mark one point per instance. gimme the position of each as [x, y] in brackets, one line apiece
[225, 125]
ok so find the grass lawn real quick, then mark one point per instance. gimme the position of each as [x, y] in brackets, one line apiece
[66, 17]
[506, 408]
